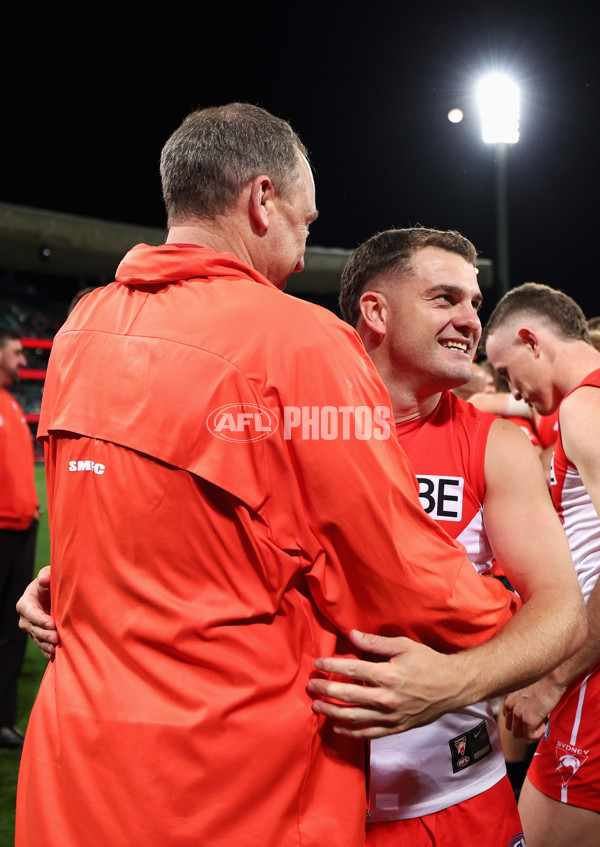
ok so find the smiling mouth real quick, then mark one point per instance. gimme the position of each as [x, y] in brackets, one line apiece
[461, 346]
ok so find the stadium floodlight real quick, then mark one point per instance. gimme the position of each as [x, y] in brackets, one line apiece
[498, 99]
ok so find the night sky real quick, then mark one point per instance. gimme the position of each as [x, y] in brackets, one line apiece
[367, 86]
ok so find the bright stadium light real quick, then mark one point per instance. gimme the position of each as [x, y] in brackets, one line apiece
[498, 99]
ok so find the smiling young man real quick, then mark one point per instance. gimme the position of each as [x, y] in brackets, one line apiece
[537, 338]
[414, 298]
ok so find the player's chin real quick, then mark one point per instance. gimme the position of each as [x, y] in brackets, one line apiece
[460, 374]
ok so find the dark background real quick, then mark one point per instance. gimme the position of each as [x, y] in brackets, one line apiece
[89, 101]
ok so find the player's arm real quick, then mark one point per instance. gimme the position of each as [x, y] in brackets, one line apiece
[530, 544]
[501, 403]
[527, 709]
[34, 611]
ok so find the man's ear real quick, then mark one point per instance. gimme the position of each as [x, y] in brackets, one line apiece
[530, 340]
[261, 194]
[372, 307]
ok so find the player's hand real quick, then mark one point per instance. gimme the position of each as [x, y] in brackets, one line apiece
[34, 610]
[414, 687]
[525, 711]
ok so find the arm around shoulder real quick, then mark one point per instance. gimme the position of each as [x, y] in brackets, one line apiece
[549, 626]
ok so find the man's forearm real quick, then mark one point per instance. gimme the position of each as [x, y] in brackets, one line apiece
[527, 708]
[534, 643]
[589, 653]
[416, 685]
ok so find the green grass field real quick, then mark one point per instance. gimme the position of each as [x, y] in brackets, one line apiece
[33, 670]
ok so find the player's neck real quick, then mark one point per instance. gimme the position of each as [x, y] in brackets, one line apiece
[413, 396]
[409, 405]
[578, 361]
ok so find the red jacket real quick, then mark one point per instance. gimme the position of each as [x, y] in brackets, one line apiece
[197, 573]
[18, 496]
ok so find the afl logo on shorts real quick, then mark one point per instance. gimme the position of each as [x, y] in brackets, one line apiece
[518, 841]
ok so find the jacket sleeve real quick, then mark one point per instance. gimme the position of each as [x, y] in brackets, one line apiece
[382, 565]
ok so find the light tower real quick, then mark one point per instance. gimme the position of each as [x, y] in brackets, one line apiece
[498, 99]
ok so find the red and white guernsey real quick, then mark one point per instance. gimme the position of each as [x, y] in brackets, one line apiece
[566, 765]
[458, 756]
[579, 517]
